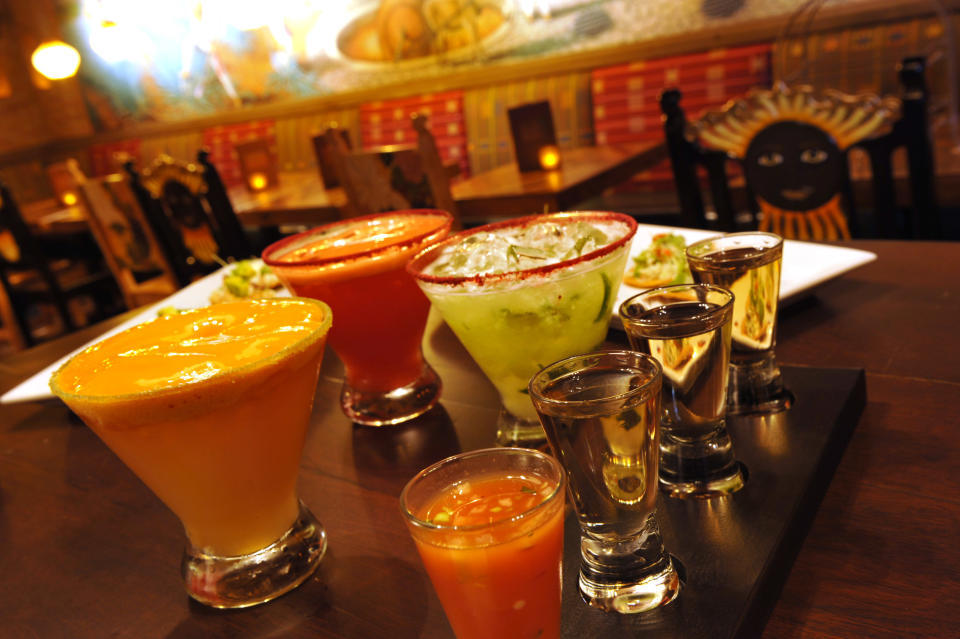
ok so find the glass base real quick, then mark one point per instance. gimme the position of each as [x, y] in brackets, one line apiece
[513, 431]
[378, 408]
[757, 387]
[699, 469]
[628, 576]
[248, 580]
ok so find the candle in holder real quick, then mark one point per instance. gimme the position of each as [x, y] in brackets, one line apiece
[549, 156]
[257, 181]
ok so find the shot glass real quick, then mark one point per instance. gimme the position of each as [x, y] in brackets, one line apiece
[747, 264]
[687, 329]
[357, 267]
[525, 292]
[210, 409]
[488, 525]
[601, 412]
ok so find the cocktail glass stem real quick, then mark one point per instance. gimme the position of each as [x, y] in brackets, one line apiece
[628, 575]
[382, 408]
[756, 386]
[515, 431]
[248, 580]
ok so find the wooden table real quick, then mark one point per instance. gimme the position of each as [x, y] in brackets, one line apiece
[585, 172]
[299, 199]
[87, 551]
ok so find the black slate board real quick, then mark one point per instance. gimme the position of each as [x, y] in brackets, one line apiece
[737, 550]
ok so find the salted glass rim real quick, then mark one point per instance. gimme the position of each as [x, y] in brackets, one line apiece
[298, 345]
[549, 401]
[558, 489]
[271, 254]
[429, 254]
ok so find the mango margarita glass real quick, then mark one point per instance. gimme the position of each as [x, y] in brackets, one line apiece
[210, 409]
[524, 293]
[357, 267]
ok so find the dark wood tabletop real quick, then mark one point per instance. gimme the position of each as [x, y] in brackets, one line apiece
[584, 172]
[86, 550]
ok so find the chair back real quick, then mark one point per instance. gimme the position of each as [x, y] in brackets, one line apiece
[793, 148]
[189, 211]
[394, 178]
[129, 246]
[21, 257]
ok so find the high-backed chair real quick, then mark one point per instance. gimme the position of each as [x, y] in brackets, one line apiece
[189, 211]
[73, 294]
[793, 147]
[392, 179]
[129, 246]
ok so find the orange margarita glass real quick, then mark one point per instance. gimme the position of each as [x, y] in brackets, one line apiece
[210, 409]
[357, 267]
[488, 525]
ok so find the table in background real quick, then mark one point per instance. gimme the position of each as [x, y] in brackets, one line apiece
[88, 551]
[584, 172]
[299, 198]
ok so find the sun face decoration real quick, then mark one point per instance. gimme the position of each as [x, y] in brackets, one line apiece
[793, 144]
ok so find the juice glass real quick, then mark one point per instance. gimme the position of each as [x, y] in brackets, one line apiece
[357, 267]
[523, 293]
[489, 528]
[210, 409]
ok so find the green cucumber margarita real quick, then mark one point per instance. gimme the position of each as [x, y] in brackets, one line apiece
[525, 293]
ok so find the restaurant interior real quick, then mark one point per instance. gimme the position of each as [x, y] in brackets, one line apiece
[148, 148]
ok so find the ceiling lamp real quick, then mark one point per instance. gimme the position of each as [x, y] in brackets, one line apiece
[56, 60]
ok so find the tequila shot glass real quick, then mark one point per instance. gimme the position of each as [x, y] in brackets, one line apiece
[687, 329]
[747, 264]
[601, 413]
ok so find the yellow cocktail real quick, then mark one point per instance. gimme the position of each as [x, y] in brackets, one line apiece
[210, 409]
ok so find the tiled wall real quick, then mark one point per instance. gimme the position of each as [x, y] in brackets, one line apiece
[388, 123]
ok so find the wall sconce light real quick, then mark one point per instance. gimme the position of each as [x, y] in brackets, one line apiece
[549, 157]
[55, 60]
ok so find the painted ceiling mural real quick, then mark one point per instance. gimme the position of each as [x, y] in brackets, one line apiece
[150, 60]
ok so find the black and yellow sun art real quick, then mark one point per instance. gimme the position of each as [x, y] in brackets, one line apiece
[793, 144]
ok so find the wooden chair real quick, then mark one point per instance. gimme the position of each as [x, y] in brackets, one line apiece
[793, 146]
[46, 297]
[394, 178]
[190, 214]
[129, 247]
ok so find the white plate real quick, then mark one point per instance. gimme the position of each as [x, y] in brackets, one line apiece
[195, 295]
[805, 264]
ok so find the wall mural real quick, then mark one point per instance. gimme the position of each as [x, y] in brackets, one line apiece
[150, 60]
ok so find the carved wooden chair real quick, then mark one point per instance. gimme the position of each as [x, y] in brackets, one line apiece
[793, 147]
[45, 297]
[189, 211]
[129, 246]
[394, 178]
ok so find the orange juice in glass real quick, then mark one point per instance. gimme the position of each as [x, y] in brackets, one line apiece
[488, 525]
[357, 267]
[210, 409]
